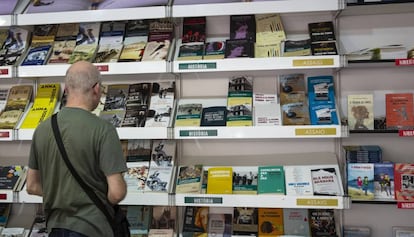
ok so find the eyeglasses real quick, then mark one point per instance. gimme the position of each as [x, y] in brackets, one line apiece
[100, 85]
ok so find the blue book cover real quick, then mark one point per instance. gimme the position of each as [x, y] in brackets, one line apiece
[384, 181]
[37, 55]
[360, 181]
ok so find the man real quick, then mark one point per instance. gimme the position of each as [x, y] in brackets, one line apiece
[95, 151]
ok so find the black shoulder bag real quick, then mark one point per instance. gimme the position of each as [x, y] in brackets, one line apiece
[118, 222]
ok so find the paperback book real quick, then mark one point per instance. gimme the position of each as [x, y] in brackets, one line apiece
[271, 180]
[194, 29]
[139, 218]
[404, 182]
[37, 55]
[270, 222]
[245, 221]
[296, 222]
[161, 104]
[243, 27]
[384, 181]
[399, 110]
[239, 48]
[189, 179]
[298, 180]
[220, 180]
[360, 181]
[322, 223]
[188, 114]
[245, 179]
[361, 111]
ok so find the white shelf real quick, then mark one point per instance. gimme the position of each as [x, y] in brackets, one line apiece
[24, 197]
[7, 135]
[271, 201]
[147, 198]
[260, 7]
[105, 68]
[258, 64]
[380, 8]
[328, 131]
[143, 133]
[6, 71]
[6, 20]
[6, 196]
[92, 16]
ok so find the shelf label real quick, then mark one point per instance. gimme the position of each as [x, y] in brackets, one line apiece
[203, 200]
[404, 62]
[3, 196]
[405, 205]
[4, 134]
[103, 68]
[198, 133]
[315, 131]
[4, 71]
[406, 133]
[313, 62]
[192, 66]
[317, 202]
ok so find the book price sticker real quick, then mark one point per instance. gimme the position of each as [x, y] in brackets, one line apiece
[103, 68]
[4, 71]
[4, 134]
[404, 62]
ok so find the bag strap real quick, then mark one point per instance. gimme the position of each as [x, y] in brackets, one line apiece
[92, 195]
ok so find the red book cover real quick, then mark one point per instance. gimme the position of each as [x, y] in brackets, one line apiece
[399, 110]
[404, 182]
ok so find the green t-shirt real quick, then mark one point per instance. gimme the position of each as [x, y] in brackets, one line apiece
[94, 149]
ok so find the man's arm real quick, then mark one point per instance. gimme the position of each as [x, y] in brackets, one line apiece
[33, 183]
[116, 188]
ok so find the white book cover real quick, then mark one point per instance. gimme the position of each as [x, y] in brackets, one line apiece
[326, 180]
[298, 180]
[266, 110]
[136, 176]
[161, 104]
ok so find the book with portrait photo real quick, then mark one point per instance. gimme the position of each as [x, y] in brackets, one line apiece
[239, 48]
[361, 111]
[243, 27]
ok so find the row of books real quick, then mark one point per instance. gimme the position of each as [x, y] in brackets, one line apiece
[291, 180]
[257, 36]
[123, 41]
[399, 111]
[213, 221]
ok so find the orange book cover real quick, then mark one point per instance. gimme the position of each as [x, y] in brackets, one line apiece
[270, 221]
[399, 110]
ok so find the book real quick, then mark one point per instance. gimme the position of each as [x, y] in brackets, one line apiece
[189, 179]
[220, 180]
[363, 153]
[188, 114]
[245, 179]
[291, 48]
[267, 50]
[324, 48]
[361, 111]
[356, 231]
[322, 222]
[296, 113]
[214, 49]
[112, 33]
[137, 28]
[326, 181]
[194, 29]
[9, 175]
[240, 101]
[159, 179]
[266, 110]
[399, 110]
[37, 55]
[384, 52]
[384, 181]
[136, 175]
[156, 50]
[114, 117]
[135, 116]
[163, 217]
[270, 221]
[88, 33]
[62, 51]
[83, 52]
[404, 182]
[269, 29]
[195, 220]
[271, 180]
[139, 218]
[161, 104]
[220, 221]
[213, 116]
[243, 27]
[108, 53]
[296, 222]
[10, 118]
[138, 150]
[239, 48]
[321, 31]
[132, 52]
[4, 92]
[18, 100]
[360, 181]
[191, 51]
[245, 221]
[298, 180]
[15, 46]
[4, 33]
[292, 88]
[116, 97]
[161, 166]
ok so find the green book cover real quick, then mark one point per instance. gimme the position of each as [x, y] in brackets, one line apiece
[271, 180]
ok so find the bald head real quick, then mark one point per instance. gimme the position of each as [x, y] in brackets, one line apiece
[80, 85]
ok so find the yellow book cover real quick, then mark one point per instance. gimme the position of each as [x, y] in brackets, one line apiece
[239, 106]
[132, 52]
[270, 221]
[34, 117]
[220, 180]
[269, 28]
[47, 95]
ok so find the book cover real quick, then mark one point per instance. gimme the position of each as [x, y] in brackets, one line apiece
[135, 116]
[296, 222]
[271, 180]
[194, 29]
[291, 48]
[220, 180]
[156, 50]
[270, 221]
[321, 31]
[159, 179]
[404, 182]
[189, 179]
[88, 33]
[83, 52]
[239, 108]
[164, 217]
[163, 153]
[188, 114]
[326, 181]
[136, 176]
[108, 53]
[292, 88]
[10, 118]
[62, 51]
[191, 51]
[267, 50]
[269, 28]
[35, 116]
[215, 50]
[243, 27]
[296, 113]
[43, 34]
[245, 221]
[239, 48]
[266, 110]
[213, 116]
[114, 117]
[9, 175]
[112, 32]
[324, 48]
[67, 31]
[37, 55]
[322, 222]
[219, 224]
[4, 93]
[399, 110]
[323, 113]
[195, 220]
[361, 112]
[321, 88]
[161, 104]
[19, 97]
[132, 52]
[245, 179]
[384, 181]
[137, 28]
[360, 181]
[139, 218]
[138, 150]
[116, 97]
[298, 180]
[15, 46]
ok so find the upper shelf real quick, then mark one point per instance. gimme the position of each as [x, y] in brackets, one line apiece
[378, 8]
[6, 20]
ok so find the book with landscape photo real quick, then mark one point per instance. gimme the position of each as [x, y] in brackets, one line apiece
[188, 114]
[291, 48]
[132, 52]
[191, 51]
[18, 100]
[361, 111]
[83, 52]
[360, 181]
